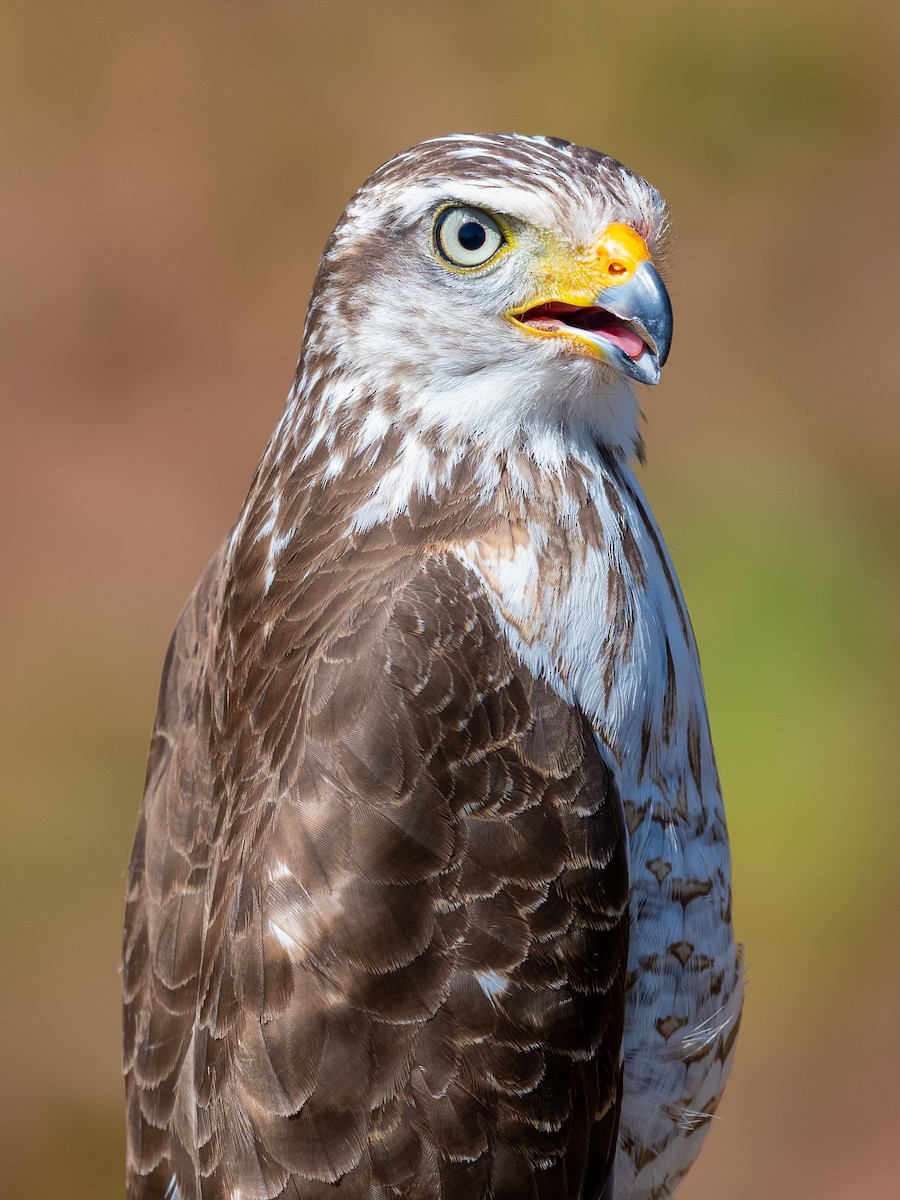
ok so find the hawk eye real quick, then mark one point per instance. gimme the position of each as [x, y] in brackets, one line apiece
[467, 237]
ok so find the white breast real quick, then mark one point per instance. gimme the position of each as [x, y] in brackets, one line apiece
[602, 619]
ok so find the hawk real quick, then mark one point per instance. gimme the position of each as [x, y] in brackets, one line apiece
[430, 892]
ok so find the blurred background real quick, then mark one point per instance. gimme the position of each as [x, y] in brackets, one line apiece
[171, 172]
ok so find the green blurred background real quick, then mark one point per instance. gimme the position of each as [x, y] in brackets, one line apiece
[171, 173]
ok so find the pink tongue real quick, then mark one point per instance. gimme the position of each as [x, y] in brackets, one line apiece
[625, 339]
[620, 335]
[551, 317]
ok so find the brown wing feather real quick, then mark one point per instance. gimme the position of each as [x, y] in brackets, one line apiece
[386, 959]
[165, 911]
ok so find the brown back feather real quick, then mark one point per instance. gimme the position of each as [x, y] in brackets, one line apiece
[357, 799]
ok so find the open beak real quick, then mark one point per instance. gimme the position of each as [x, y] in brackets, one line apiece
[613, 305]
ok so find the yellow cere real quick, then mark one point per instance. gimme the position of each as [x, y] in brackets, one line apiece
[619, 253]
[612, 260]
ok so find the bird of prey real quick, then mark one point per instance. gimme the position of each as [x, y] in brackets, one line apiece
[430, 893]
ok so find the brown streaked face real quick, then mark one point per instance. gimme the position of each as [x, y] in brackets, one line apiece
[494, 282]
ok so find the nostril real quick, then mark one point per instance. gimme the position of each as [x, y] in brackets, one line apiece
[617, 268]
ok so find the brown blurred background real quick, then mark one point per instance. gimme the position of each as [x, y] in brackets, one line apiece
[171, 171]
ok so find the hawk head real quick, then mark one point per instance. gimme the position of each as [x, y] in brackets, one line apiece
[480, 284]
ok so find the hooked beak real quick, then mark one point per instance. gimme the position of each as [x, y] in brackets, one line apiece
[614, 306]
[643, 304]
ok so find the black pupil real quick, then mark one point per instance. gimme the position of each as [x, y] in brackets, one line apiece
[472, 236]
